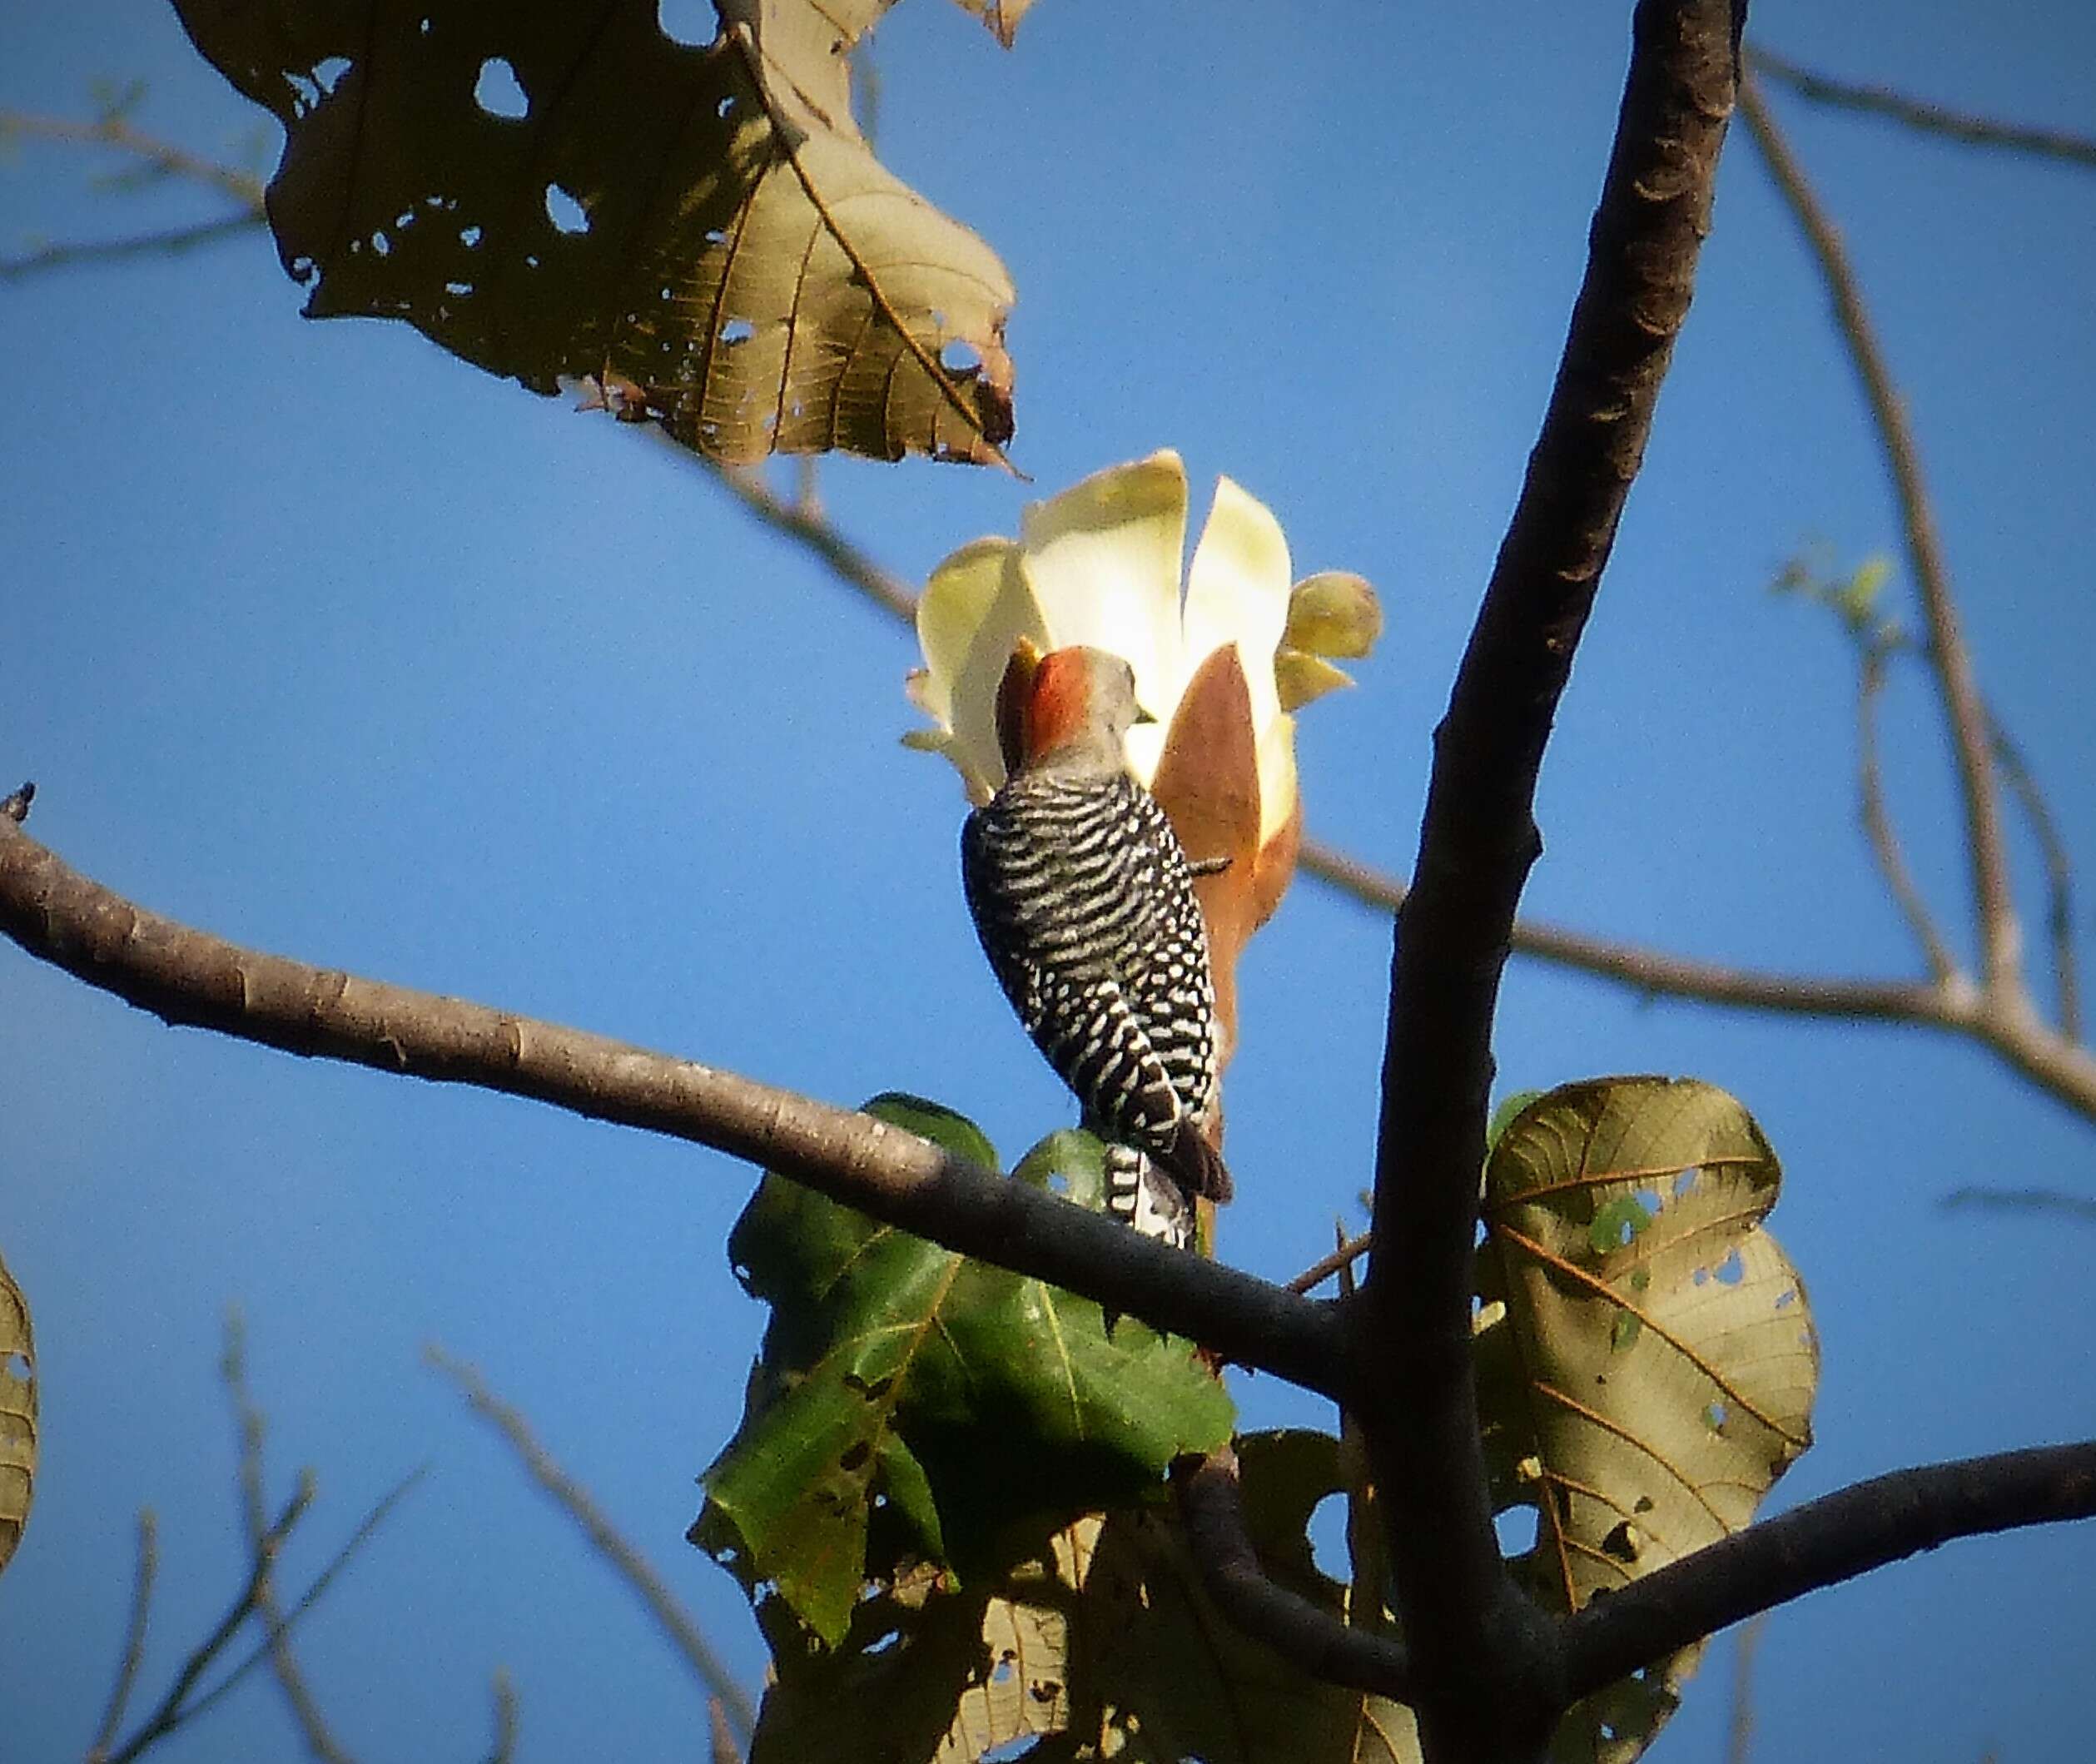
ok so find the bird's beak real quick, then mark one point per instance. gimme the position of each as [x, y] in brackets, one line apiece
[1143, 716]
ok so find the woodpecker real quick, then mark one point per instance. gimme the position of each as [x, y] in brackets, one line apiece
[1084, 904]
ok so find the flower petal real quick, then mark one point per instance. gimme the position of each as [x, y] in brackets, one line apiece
[1333, 612]
[1302, 677]
[1238, 591]
[975, 609]
[1103, 559]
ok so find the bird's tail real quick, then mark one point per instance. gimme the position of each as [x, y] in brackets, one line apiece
[1199, 1166]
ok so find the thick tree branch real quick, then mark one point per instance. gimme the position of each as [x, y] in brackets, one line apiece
[1834, 1538]
[189, 977]
[1935, 119]
[1313, 1639]
[1994, 906]
[1484, 1655]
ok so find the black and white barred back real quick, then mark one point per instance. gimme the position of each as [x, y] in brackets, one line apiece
[1084, 904]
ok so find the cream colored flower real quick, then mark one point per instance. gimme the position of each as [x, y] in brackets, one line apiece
[1221, 669]
[1099, 565]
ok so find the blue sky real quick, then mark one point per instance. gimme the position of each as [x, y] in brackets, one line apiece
[319, 638]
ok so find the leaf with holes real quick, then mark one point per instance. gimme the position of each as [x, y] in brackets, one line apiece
[1647, 1360]
[1094, 1641]
[699, 231]
[17, 1414]
[910, 1405]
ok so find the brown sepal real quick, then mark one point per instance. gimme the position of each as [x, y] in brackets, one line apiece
[1208, 783]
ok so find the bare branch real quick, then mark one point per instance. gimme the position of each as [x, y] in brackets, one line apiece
[504, 1748]
[2060, 1067]
[1739, 1733]
[1654, 973]
[722, 1748]
[134, 1653]
[802, 520]
[1486, 1658]
[1877, 819]
[2044, 1200]
[670, 1616]
[305, 1712]
[1935, 119]
[171, 1712]
[1819, 1544]
[1312, 1640]
[1995, 910]
[1340, 1261]
[189, 976]
[2059, 873]
[366, 1529]
[171, 242]
[163, 157]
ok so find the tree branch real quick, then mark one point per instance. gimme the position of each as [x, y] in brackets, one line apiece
[184, 976]
[1834, 1538]
[2060, 1067]
[305, 1711]
[2059, 873]
[1877, 820]
[1994, 906]
[1486, 1659]
[1310, 1639]
[163, 157]
[670, 1616]
[1935, 119]
[134, 1653]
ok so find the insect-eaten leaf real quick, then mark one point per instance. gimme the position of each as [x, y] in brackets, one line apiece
[1094, 1639]
[911, 1406]
[1647, 1360]
[700, 233]
[17, 1414]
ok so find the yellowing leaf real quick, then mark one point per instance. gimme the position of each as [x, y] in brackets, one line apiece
[702, 233]
[1333, 612]
[17, 1414]
[1652, 1370]
[1098, 1641]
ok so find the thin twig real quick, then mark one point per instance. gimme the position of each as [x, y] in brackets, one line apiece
[171, 1712]
[803, 522]
[670, 1616]
[504, 1748]
[247, 1418]
[1739, 1733]
[1877, 820]
[1655, 973]
[1993, 904]
[1314, 1641]
[723, 1750]
[1340, 1261]
[2054, 1202]
[185, 975]
[1935, 119]
[134, 1653]
[2059, 874]
[171, 242]
[365, 1531]
[164, 157]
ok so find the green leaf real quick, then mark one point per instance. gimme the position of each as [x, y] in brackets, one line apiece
[1646, 1357]
[1503, 1115]
[912, 1405]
